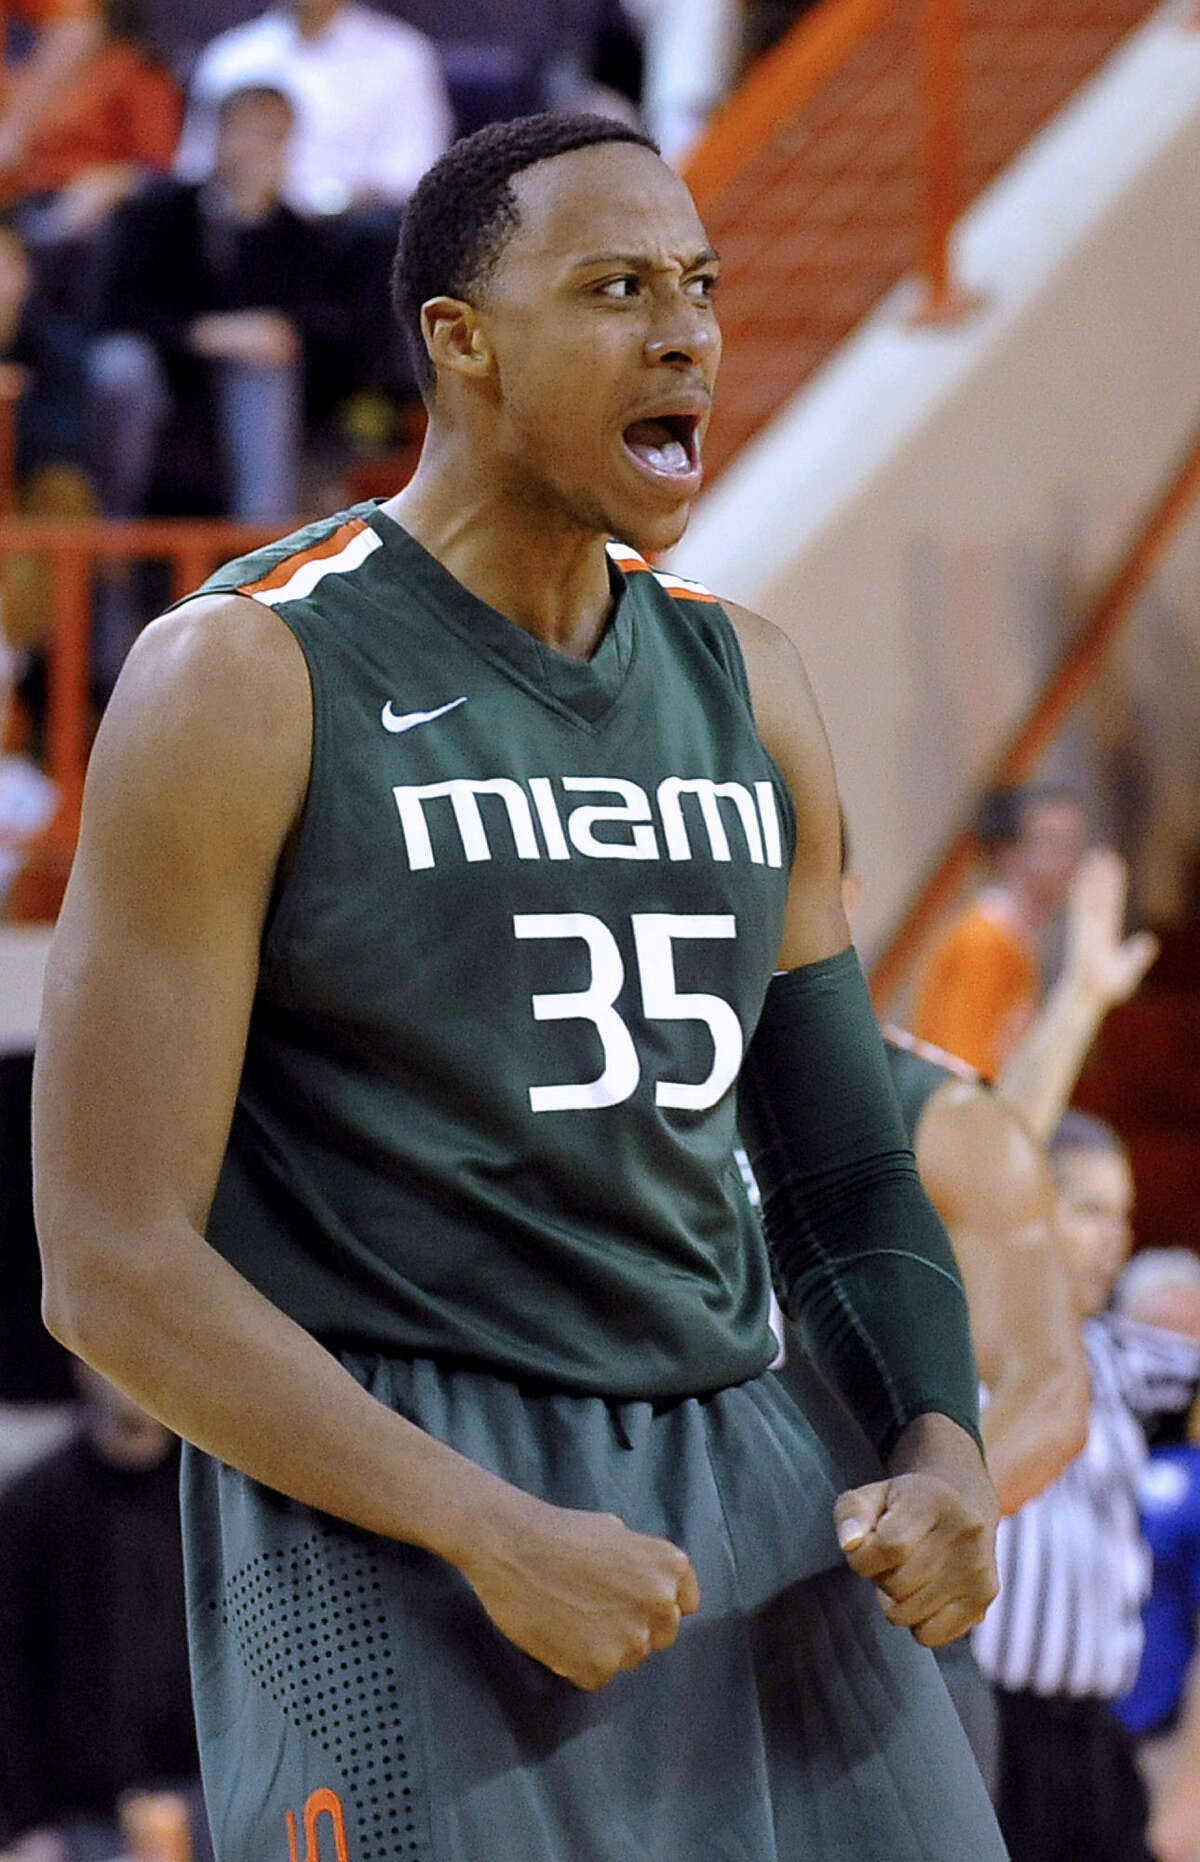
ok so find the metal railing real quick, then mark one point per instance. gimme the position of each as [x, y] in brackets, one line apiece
[790, 76]
[75, 550]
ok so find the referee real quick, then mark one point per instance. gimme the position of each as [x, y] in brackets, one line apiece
[1063, 1639]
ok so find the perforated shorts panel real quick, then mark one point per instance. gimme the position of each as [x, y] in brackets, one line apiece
[304, 1684]
[310, 1623]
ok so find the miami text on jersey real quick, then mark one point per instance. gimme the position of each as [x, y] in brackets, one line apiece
[684, 813]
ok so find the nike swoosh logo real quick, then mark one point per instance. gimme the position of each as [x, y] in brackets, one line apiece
[397, 721]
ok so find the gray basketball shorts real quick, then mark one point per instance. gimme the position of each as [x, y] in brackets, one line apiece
[355, 1703]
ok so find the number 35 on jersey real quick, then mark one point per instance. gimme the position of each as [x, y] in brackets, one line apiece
[654, 937]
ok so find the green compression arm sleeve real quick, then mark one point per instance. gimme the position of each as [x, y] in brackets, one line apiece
[863, 1264]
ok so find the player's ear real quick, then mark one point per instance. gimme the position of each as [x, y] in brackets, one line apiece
[454, 337]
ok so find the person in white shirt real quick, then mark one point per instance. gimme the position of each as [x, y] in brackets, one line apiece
[694, 52]
[372, 111]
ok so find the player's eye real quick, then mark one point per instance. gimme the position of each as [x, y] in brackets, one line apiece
[703, 286]
[627, 285]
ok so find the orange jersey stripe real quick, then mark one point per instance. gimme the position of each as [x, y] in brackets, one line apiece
[630, 563]
[685, 591]
[285, 570]
[627, 560]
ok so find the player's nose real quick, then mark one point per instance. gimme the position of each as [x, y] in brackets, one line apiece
[683, 334]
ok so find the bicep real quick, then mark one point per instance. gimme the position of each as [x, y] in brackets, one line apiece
[789, 723]
[138, 1052]
[154, 963]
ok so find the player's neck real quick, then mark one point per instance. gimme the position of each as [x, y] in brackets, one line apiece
[551, 578]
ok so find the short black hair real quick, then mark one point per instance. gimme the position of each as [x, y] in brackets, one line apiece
[1002, 813]
[464, 209]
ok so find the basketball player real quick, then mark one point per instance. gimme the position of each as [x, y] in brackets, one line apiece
[437, 864]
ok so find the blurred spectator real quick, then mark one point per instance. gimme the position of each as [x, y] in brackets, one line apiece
[48, 354]
[693, 54]
[1101, 967]
[983, 981]
[114, 119]
[593, 61]
[507, 58]
[210, 293]
[43, 355]
[94, 1691]
[1063, 1640]
[1162, 1287]
[67, 32]
[372, 111]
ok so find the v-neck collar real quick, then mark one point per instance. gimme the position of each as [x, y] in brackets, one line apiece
[585, 689]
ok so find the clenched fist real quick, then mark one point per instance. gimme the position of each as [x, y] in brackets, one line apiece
[926, 1535]
[579, 1591]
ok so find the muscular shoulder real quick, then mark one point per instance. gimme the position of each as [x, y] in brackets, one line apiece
[978, 1161]
[772, 660]
[785, 709]
[789, 724]
[211, 719]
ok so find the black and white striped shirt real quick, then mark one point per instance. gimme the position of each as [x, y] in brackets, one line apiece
[1074, 1570]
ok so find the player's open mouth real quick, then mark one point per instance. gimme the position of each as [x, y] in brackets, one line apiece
[666, 445]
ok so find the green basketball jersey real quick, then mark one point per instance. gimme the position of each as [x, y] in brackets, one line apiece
[918, 1069]
[487, 1107]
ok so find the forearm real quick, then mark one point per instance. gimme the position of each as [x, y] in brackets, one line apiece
[171, 1322]
[577, 1590]
[1038, 1080]
[1032, 1427]
[865, 1264]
